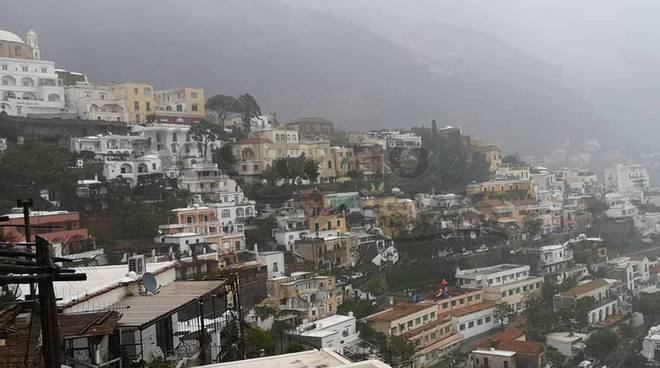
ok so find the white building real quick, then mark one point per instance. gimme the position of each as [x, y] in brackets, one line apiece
[555, 260]
[651, 344]
[309, 358]
[626, 177]
[396, 139]
[477, 278]
[131, 169]
[475, 320]
[274, 261]
[333, 333]
[97, 101]
[28, 85]
[569, 344]
[109, 146]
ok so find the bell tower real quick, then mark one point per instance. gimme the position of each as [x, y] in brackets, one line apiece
[31, 40]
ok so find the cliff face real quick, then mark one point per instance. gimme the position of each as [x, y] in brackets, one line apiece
[308, 63]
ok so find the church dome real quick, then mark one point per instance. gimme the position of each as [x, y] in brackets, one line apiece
[11, 37]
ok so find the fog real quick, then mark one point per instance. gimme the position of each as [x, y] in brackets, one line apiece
[507, 71]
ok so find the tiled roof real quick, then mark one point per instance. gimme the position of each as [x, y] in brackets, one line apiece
[398, 311]
[508, 334]
[578, 291]
[522, 347]
[471, 309]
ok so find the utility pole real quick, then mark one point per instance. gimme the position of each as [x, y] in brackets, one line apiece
[50, 331]
[26, 204]
[202, 332]
[43, 272]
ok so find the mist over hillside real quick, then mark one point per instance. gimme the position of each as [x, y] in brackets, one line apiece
[301, 62]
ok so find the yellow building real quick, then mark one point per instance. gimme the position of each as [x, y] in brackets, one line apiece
[183, 105]
[497, 187]
[139, 101]
[328, 221]
[393, 214]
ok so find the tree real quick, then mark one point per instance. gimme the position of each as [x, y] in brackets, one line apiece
[601, 344]
[223, 106]
[557, 359]
[533, 226]
[582, 308]
[258, 342]
[206, 132]
[224, 157]
[503, 311]
[248, 108]
[310, 169]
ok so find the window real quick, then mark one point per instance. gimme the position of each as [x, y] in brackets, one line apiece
[470, 324]
[480, 322]
[193, 95]
[25, 68]
[275, 269]
[445, 305]
[477, 297]
[418, 320]
[194, 107]
[136, 105]
[148, 106]
[461, 327]
[487, 319]
[189, 219]
[506, 364]
[432, 315]
[338, 223]
[4, 66]
[135, 91]
[44, 69]
[410, 324]
[179, 108]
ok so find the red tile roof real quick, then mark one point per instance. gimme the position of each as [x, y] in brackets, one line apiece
[522, 347]
[471, 309]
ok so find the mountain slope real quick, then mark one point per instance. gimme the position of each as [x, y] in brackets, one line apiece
[299, 62]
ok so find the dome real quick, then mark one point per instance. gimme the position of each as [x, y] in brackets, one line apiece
[11, 37]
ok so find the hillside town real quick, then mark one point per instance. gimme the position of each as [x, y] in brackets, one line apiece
[211, 232]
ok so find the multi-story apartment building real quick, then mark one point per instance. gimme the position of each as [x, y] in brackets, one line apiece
[307, 296]
[505, 283]
[28, 85]
[395, 139]
[138, 99]
[291, 226]
[107, 147]
[203, 220]
[392, 213]
[512, 172]
[329, 253]
[633, 271]
[343, 160]
[522, 187]
[312, 128]
[370, 160]
[68, 236]
[432, 334]
[326, 221]
[606, 302]
[183, 105]
[470, 314]
[132, 168]
[555, 262]
[97, 101]
[626, 177]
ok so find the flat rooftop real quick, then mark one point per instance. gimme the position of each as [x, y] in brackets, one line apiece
[496, 352]
[140, 310]
[305, 359]
[489, 270]
[398, 311]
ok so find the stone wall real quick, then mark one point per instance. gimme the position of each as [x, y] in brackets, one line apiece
[55, 131]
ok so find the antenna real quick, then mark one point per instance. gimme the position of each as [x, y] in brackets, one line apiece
[150, 283]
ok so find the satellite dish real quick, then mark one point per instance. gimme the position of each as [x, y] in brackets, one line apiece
[150, 283]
